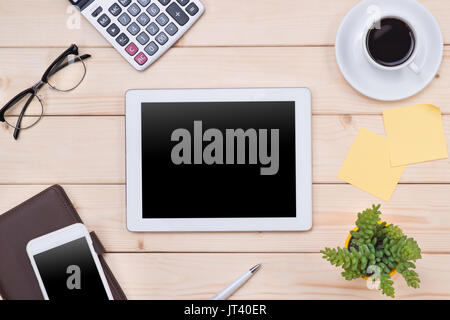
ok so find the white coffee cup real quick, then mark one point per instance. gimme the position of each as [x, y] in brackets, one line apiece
[409, 63]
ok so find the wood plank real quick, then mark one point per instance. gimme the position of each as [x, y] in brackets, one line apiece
[225, 23]
[88, 150]
[283, 276]
[103, 90]
[75, 149]
[420, 210]
[333, 137]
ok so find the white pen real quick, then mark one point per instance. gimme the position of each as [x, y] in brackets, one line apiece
[235, 285]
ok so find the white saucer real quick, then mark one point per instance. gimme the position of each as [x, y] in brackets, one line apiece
[388, 85]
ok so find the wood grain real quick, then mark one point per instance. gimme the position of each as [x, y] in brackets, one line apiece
[421, 211]
[334, 135]
[109, 76]
[285, 276]
[225, 23]
[91, 149]
[75, 149]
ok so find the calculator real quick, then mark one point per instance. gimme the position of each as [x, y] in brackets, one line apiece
[141, 30]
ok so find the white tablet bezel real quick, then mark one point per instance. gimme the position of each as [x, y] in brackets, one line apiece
[59, 238]
[303, 219]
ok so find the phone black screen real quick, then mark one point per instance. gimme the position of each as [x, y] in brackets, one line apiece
[69, 272]
[218, 160]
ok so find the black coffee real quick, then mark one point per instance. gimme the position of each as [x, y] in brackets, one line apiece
[392, 44]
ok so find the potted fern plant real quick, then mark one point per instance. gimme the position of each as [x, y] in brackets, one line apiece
[376, 250]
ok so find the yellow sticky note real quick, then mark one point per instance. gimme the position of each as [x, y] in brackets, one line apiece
[367, 166]
[415, 134]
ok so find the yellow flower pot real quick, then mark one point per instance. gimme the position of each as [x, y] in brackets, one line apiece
[347, 242]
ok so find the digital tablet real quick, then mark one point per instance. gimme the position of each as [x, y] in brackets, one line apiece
[218, 160]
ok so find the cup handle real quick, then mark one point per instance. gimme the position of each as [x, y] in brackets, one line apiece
[414, 67]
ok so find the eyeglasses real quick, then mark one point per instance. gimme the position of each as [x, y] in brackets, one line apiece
[64, 74]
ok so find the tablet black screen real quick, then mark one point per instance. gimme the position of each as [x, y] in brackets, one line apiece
[218, 160]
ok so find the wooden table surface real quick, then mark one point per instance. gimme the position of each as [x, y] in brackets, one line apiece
[254, 43]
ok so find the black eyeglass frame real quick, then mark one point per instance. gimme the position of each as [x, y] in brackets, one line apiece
[72, 50]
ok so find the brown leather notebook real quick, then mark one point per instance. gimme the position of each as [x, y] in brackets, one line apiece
[46, 212]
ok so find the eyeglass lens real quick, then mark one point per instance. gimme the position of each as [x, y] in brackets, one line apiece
[31, 115]
[67, 74]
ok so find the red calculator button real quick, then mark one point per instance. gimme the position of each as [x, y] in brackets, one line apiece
[131, 49]
[141, 58]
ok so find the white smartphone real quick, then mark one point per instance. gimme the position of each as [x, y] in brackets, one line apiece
[67, 266]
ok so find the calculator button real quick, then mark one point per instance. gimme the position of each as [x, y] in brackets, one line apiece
[192, 9]
[143, 19]
[152, 28]
[141, 58]
[162, 19]
[153, 10]
[124, 19]
[115, 9]
[144, 3]
[122, 39]
[134, 29]
[164, 2]
[171, 29]
[125, 2]
[113, 30]
[183, 2]
[97, 12]
[162, 38]
[131, 49]
[152, 48]
[104, 20]
[177, 14]
[143, 38]
[134, 9]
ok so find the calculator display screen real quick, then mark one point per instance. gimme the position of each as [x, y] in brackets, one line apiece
[218, 160]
